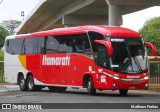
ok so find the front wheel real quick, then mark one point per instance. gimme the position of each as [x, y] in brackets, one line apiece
[90, 87]
[22, 83]
[123, 92]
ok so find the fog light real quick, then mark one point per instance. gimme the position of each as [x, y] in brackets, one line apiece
[146, 85]
[115, 85]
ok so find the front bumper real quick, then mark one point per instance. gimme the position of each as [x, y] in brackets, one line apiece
[109, 83]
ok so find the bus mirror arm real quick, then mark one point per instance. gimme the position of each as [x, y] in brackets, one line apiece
[107, 45]
[153, 48]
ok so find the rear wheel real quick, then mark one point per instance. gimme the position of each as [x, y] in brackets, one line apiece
[90, 87]
[22, 83]
[30, 84]
[123, 92]
[57, 89]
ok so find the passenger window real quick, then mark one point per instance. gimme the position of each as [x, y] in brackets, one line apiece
[66, 44]
[82, 44]
[35, 45]
[41, 45]
[95, 36]
[28, 46]
[7, 43]
[52, 45]
[9, 46]
[17, 48]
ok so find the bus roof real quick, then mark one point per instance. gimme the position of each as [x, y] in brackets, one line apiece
[113, 31]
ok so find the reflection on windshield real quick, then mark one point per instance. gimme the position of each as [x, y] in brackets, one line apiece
[129, 55]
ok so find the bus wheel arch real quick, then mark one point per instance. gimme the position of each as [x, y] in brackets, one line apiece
[89, 84]
[28, 74]
[85, 80]
[21, 81]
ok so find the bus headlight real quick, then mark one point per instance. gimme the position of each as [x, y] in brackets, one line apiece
[111, 76]
[115, 77]
[146, 78]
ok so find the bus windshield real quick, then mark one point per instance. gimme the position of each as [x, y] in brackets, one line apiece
[129, 56]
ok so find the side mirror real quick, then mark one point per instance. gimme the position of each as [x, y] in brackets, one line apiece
[107, 45]
[153, 48]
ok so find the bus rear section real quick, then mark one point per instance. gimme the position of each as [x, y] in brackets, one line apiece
[92, 57]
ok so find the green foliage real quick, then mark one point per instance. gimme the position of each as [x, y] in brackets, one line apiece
[1, 55]
[1, 78]
[1, 72]
[151, 32]
[3, 34]
[10, 25]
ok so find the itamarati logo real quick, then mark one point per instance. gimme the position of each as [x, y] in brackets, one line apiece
[58, 61]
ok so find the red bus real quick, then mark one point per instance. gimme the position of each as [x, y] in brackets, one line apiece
[92, 57]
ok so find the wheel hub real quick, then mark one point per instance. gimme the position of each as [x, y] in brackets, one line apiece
[30, 84]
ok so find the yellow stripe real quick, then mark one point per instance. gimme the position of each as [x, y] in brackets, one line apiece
[22, 59]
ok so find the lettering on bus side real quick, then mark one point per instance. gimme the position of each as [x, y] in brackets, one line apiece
[57, 61]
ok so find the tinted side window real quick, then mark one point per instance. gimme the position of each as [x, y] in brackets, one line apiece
[95, 36]
[17, 48]
[103, 59]
[22, 46]
[41, 45]
[52, 45]
[9, 45]
[35, 45]
[65, 43]
[28, 46]
[82, 44]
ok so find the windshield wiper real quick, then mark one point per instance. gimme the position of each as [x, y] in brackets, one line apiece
[137, 63]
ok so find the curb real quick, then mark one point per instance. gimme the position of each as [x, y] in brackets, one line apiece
[144, 92]
[6, 88]
[3, 89]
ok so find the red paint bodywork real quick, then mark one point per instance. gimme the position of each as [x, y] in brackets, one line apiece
[105, 30]
[79, 64]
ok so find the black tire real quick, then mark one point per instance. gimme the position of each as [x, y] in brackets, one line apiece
[90, 87]
[123, 92]
[22, 83]
[30, 84]
[57, 89]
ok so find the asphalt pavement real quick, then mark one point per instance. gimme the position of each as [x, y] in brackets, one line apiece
[12, 87]
[11, 94]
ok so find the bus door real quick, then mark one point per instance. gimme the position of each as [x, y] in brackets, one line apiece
[104, 52]
[103, 58]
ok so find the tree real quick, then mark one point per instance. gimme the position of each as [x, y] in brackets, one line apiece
[151, 32]
[3, 34]
[10, 25]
